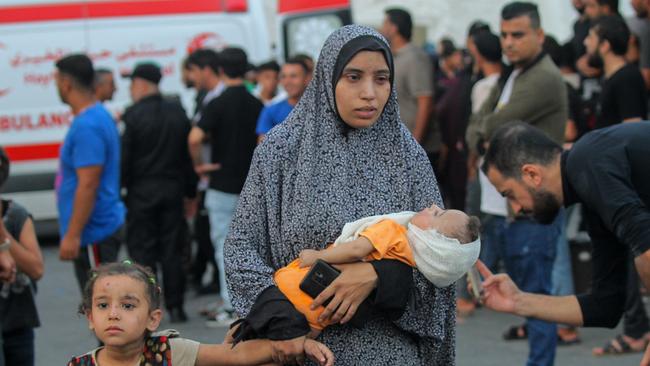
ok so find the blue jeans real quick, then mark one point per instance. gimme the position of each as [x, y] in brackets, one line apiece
[18, 347]
[529, 254]
[221, 207]
[492, 240]
[562, 276]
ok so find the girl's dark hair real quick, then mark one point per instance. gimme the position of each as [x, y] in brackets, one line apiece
[124, 268]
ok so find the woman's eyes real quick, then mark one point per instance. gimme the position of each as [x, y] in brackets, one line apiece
[353, 77]
[382, 79]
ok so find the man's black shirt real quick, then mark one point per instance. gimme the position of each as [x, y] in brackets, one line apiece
[607, 171]
[154, 144]
[623, 97]
[230, 121]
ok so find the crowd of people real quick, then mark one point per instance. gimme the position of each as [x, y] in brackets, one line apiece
[283, 170]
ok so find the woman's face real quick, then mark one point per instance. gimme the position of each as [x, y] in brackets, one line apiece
[363, 89]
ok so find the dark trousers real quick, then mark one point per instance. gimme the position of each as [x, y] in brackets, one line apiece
[154, 234]
[205, 249]
[635, 318]
[453, 179]
[18, 347]
[93, 255]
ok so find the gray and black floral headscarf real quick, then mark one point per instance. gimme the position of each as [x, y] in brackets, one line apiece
[310, 176]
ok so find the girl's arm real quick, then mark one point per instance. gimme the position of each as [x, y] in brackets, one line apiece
[353, 251]
[256, 352]
[253, 352]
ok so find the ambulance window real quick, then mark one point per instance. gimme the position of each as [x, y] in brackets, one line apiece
[306, 34]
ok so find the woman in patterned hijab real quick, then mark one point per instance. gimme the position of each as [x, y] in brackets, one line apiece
[342, 154]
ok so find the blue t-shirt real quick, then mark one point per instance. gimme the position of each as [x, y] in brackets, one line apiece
[272, 116]
[92, 140]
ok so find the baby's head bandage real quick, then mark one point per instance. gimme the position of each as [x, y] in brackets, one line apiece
[440, 259]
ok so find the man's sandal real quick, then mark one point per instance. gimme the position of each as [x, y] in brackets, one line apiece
[618, 346]
[515, 333]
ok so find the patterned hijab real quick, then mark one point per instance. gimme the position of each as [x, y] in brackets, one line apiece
[313, 173]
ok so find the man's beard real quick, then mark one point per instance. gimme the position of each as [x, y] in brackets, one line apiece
[595, 60]
[545, 206]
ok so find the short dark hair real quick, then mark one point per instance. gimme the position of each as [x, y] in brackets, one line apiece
[402, 19]
[477, 27]
[298, 61]
[517, 143]
[448, 48]
[488, 45]
[4, 167]
[79, 67]
[611, 4]
[99, 73]
[306, 59]
[269, 66]
[612, 28]
[519, 9]
[472, 230]
[203, 58]
[233, 62]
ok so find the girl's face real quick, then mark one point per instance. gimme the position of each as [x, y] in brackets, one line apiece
[120, 313]
[363, 89]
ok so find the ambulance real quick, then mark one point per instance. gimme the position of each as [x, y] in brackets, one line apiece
[117, 35]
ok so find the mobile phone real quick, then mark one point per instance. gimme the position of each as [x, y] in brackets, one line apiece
[318, 278]
[475, 279]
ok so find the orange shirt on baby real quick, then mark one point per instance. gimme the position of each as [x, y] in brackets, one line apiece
[389, 241]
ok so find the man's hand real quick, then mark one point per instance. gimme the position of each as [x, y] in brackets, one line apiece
[348, 290]
[7, 267]
[583, 67]
[190, 207]
[499, 292]
[319, 353]
[290, 351]
[207, 168]
[308, 257]
[69, 248]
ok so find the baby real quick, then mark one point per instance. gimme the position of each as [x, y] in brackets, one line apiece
[441, 244]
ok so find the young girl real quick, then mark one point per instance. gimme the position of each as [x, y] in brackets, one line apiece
[122, 304]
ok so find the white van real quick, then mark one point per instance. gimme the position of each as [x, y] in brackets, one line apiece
[119, 34]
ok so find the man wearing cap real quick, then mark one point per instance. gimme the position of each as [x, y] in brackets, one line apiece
[158, 175]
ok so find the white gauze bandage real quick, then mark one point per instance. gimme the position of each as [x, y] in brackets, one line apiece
[440, 259]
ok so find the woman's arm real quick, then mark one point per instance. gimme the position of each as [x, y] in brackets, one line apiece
[25, 251]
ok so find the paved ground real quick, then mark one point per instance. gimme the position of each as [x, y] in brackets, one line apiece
[64, 333]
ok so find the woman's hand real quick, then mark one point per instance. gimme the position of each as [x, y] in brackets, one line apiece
[308, 257]
[348, 290]
[291, 351]
[319, 353]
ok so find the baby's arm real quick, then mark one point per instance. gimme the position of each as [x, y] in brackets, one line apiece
[353, 251]
[256, 352]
